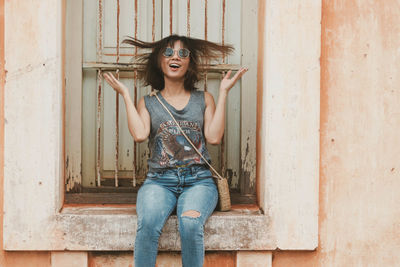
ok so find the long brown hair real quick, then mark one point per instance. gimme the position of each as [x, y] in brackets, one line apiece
[201, 51]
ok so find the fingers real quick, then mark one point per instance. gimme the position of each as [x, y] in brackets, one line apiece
[111, 80]
[107, 77]
[228, 74]
[115, 83]
[240, 73]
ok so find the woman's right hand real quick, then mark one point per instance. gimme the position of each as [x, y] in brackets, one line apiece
[115, 84]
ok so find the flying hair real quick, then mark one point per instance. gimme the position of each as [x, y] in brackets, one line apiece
[201, 52]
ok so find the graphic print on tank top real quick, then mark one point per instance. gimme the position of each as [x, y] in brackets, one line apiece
[172, 147]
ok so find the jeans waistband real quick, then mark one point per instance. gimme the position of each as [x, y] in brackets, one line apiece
[192, 169]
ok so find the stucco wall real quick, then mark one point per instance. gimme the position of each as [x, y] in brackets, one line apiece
[12, 259]
[360, 142]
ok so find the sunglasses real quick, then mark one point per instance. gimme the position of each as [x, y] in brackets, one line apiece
[182, 53]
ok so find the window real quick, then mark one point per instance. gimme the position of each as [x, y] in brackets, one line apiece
[103, 163]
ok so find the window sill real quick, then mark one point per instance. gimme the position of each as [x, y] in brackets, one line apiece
[120, 195]
[114, 228]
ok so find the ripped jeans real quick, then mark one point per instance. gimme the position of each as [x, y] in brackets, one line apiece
[186, 189]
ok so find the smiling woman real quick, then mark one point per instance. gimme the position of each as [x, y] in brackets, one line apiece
[173, 66]
[178, 174]
[200, 52]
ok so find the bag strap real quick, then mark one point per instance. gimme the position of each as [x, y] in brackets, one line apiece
[187, 138]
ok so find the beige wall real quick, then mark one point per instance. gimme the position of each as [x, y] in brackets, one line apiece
[360, 137]
[359, 221]
[12, 259]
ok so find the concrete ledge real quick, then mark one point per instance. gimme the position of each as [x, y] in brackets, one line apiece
[114, 229]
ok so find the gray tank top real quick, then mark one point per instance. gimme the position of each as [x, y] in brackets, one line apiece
[168, 147]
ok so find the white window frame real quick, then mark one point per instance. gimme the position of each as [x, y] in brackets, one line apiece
[240, 140]
[288, 155]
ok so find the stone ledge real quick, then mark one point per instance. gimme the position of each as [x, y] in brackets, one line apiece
[114, 229]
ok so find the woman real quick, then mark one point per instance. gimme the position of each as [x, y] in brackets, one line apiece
[177, 177]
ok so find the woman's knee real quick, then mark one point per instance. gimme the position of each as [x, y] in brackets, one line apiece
[190, 223]
[149, 225]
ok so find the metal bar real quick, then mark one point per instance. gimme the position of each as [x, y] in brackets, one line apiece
[222, 159]
[214, 68]
[188, 18]
[170, 16]
[134, 143]
[153, 31]
[117, 106]
[223, 163]
[205, 20]
[116, 134]
[205, 81]
[118, 13]
[223, 27]
[99, 82]
[100, 32]
[98, 125]
[136, 23]
[120, 54]
[205, 38]
[134, 100]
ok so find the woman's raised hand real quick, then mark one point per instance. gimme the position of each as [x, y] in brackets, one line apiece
[227, 83]
[115, 84]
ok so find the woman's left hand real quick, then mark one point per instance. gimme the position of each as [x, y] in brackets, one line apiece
[227, 83]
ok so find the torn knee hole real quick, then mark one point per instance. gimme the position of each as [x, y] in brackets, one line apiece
[191, 213]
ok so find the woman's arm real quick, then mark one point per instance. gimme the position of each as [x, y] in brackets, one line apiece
[214, 116]
[138, 119]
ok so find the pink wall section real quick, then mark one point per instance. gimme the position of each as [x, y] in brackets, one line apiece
[359, 222]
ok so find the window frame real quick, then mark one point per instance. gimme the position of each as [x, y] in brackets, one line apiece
[35, 217]
[244, 164]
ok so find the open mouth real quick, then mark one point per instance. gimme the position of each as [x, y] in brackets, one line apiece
[174, 66]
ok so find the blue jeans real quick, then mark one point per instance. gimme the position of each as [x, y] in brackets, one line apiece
[186, 189]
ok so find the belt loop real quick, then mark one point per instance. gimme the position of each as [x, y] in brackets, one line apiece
[191, 170]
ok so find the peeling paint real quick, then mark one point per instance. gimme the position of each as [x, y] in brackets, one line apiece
[153, 31]
[134, 163]
[229, 175]
[72, 182]
[188, 18]
[118, 14]
[98, 132]
[205, 19]
[116, 134]
[100, 31]
[223, 27]
[247, 178]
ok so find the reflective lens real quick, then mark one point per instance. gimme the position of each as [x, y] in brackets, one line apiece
[182, 53]
[168, 52]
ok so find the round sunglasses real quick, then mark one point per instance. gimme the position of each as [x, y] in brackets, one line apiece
[182, 53]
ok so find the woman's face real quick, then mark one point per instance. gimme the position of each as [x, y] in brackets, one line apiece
[174, 67]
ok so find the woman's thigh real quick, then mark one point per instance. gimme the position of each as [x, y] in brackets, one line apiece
[154, 203]
[198, 200]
